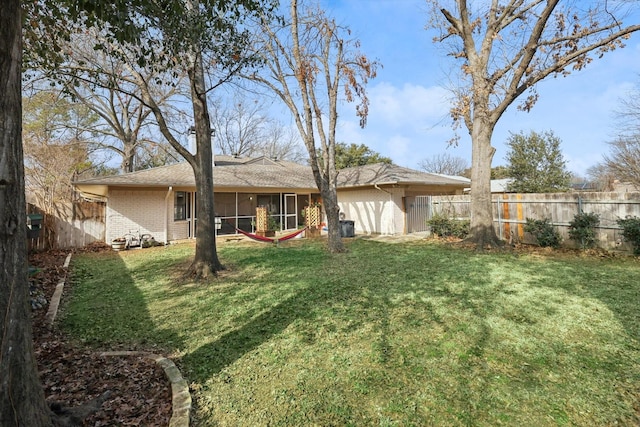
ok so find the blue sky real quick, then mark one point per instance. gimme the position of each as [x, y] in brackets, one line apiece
[408, 118]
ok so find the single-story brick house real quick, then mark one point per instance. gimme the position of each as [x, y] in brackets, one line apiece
[161, 201]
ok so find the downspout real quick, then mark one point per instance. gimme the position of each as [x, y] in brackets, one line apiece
[166, 215]
[393, 216]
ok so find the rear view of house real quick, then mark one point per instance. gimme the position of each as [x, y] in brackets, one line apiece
[162, 201]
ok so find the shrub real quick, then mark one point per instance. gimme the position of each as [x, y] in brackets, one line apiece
[544, 232]
[631, 232]
[583, 229]
[444, 226]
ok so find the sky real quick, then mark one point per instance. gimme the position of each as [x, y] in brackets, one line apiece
[408, 115]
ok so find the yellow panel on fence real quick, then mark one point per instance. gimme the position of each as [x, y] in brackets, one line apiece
[520, 218]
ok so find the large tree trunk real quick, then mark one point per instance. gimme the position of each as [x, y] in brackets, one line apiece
[206, 260]
[22, 399]
[327, 186]
[482, 230]
[332, 211]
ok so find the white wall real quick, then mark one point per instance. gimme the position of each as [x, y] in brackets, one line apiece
[133, 211]
[373, 211]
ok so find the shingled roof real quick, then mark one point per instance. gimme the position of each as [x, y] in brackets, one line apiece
[262, 172]
[385, 174]
[228, 172]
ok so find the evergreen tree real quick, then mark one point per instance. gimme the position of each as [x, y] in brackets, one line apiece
[357, 155]
[536, 164]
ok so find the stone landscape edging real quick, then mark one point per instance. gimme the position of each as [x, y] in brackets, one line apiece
[181, 398]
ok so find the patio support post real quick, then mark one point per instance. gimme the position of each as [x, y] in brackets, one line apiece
[166, 215]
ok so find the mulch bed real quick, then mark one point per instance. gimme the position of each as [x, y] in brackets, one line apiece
[72, 374]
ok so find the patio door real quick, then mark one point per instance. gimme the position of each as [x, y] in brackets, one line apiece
[290, 211]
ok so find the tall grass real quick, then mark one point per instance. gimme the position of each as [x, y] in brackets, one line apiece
[387, 334]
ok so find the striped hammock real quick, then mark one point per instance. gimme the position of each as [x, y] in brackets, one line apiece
[271, 239]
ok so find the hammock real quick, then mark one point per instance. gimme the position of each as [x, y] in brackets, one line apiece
[271, 239]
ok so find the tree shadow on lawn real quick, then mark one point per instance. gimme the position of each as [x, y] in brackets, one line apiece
[604, 350]
[211, 358]
[616, 284]
[108, 310]
[368, 296]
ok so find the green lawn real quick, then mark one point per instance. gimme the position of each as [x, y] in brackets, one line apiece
[387, 334]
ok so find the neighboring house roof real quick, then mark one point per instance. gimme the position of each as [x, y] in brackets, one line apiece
[263, 172]
[584, 186]
[500, 185]
[497, 185]
[385, 174]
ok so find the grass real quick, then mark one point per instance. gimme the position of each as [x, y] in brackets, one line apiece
[387, 334]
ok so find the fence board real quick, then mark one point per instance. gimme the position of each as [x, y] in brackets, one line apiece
[85, 224]
[510, 212]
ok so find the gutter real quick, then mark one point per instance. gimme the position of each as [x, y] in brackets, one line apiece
[166, 215]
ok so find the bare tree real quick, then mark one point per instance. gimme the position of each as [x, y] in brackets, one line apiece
[308, 62]
[283, 142]
[205, 41]
[239, 126]
[628, 113]
[445, 164]
[243, 128]
[54, 152]
[126, 128]
[623, 160]
[601, 176]
[504, 48]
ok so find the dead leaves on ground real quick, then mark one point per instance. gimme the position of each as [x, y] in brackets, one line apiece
[72, 375]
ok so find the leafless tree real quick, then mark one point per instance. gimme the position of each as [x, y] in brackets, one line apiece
[283, 142]
[623, 160]
[600, 178]
[445, 164]
[239, 126]
[243, 128]
[204, 41]
[504, 48]
[54, 152]
[127, 127]
[308, 62]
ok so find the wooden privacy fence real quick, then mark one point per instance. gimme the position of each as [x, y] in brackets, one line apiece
[73, 226]
[510, 213]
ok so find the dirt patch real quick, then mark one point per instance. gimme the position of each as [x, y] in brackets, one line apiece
[72, 374]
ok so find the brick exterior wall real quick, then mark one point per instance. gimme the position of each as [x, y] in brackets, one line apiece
[133, 211]
[178, 230]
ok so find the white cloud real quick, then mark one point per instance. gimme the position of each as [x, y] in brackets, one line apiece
[405, 123]
[398, 148]
[410, 106]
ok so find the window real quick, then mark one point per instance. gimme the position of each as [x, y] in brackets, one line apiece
[180, 206]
